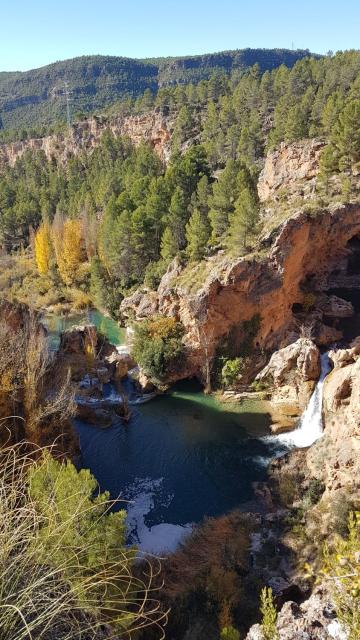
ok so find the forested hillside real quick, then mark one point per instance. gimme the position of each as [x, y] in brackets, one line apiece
[37, 97]
[112, 219]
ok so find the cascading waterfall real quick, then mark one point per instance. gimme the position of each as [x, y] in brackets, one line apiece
[310, 427]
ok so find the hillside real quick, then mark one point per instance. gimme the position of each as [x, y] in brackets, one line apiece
[37, 97]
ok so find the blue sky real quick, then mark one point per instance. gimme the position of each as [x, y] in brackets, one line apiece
[37, 32]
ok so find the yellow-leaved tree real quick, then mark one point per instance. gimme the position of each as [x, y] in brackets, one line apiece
[69, 248]
[43, 248]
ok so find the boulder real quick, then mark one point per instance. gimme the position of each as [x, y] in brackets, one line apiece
[121, 364]
[145, 384]
[338, 387]
[78, 339]
[335, 307]
[101, 413]
[299, 361]
[324, 335]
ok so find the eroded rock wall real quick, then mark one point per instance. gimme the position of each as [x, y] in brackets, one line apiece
[289, 166]
[153, 127]
[232, 291]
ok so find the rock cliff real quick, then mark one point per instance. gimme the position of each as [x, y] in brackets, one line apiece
[285, 284]
[153, 127]
[289, 166]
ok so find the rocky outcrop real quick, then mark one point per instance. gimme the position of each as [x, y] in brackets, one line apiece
[314, 619]
[336, 457]
[153, 127]
[216, 298]
[291, 373]
[296, 363]
[288, 166]
[79, 340]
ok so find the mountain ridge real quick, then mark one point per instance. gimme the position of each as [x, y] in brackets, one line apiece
[38, 96]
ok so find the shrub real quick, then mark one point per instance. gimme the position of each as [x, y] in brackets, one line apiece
[342, 567]
[259, 385]
[288, 489]
[229, 633]
[64, 570]
[309, 301]
[315, 490]
[80, 300]
[231, 371]
[158, 346]
[269, 614]
[153, 274]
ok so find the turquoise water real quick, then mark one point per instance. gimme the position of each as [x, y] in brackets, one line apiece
[56, 324]
[182, 456]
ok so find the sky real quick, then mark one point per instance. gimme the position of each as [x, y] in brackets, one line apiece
[37, 32]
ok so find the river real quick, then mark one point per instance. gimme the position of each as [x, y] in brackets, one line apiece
[181, 457]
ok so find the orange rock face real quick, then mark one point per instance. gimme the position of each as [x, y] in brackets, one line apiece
[233, 291]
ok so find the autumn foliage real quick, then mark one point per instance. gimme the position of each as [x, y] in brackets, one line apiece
[43, 248]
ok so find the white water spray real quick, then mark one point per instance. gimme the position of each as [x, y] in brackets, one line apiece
[310, 426]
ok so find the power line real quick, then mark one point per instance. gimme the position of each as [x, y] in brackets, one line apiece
[67, 97]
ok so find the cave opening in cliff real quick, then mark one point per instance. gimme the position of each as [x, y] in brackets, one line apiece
[353, 267]
[349, 326]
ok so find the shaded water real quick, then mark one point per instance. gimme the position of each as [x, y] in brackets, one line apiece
[182, 457]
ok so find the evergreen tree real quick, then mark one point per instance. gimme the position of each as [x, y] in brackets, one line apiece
[183, 128]
[243, 220]
[169, 246]
[197, 235]
[200, 198]
[347, 134]
[222, 201]
[178, 216]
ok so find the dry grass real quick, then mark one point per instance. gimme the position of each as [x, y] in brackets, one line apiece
[37, 601]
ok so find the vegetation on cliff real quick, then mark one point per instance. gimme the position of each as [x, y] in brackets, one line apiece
[157, 346]
[110, 220]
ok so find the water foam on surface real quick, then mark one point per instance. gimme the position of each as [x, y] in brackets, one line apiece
[160, 538]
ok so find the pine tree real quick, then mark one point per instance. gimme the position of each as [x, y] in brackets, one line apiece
[119, 251]
[243, 220]
[178, 217]
[183, 127]
[43, 248]
[347, 134]
[222, 202]
[169, 246]
[200, 199]
[197, 235]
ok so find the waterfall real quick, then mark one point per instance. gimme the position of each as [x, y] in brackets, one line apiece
[310, 426]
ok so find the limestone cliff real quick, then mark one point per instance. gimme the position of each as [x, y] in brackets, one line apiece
[290, 166]
[286, 285]
[153, 127]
